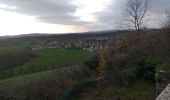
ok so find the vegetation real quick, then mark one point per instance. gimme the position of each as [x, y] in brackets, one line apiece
[63, 73]
[75, 90]
[123, 72]
[20, 63]
[136, 11]
[103, 59]
[141, 90]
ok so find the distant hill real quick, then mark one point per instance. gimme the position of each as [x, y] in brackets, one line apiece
[103, 32]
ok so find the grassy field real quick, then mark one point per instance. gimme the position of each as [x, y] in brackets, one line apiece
[18, 80]
[45, 61]
[17, 47]
[53, 58]
[141, 90]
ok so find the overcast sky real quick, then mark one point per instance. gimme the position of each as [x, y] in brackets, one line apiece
[61, 16]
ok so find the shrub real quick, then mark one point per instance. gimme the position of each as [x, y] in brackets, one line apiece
[10, 60]
[46, 87]
[92, 63]
[103, 58]
[75, 90]
[2, 98]
[124, 78]
[163, 68]
[140, 68]
[145, 68]
[128, 76]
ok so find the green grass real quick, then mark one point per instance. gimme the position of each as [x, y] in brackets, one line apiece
[141, 90]
[18, 80]
[16, 47]
[49, 63]
[48, 59]
[36, 76]
[52, 59]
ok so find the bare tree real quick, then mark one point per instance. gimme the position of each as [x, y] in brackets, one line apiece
[135, 12]
[166, 25]
[123, 25]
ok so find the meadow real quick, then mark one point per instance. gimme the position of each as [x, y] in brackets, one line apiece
[42, 63]
[127, 70]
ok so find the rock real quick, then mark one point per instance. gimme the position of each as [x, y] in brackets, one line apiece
[165, 94]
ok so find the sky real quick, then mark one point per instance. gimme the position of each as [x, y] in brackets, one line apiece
[63, 16]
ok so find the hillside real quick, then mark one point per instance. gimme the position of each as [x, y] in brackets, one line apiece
[21, 66]
[122, 71]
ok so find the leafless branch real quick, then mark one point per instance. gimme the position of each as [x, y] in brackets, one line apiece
[136, 12]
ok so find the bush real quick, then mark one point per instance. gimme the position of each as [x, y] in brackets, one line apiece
[10, 60]
[92, 63]
[2, 98]
[75, 90]
[145, 68]
[46, 87]
[141, 68]
[124, 78]
[163, 69]
[128, 76]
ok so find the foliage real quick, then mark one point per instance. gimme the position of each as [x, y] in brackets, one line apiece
[146, 69]
[137, 57]
[140, 90]
[132, 59]
[124, 78]
[46, 86]
[103, 61]
[140, 68]
[73, 91]
[163, 68]
[92, 63]
[24, 62]
[10, 60]
[2, 98]
[162, 71]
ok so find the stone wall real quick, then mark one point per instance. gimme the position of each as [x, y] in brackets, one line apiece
[165, 94]
[162, 81]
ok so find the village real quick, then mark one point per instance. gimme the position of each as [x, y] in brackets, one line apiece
[90, 44]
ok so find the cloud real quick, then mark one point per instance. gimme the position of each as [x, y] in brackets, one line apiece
[62, 12]
[64, 19]
[40, 7]
[159, 6]
[157, 12]
[110, 15]
[49, 11]
[114, 12]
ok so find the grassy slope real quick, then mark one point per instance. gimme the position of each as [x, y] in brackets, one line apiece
[24, 79]
[51, 59]
[16, 47]
[141, 90]
[46, 63]
[18, 80]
